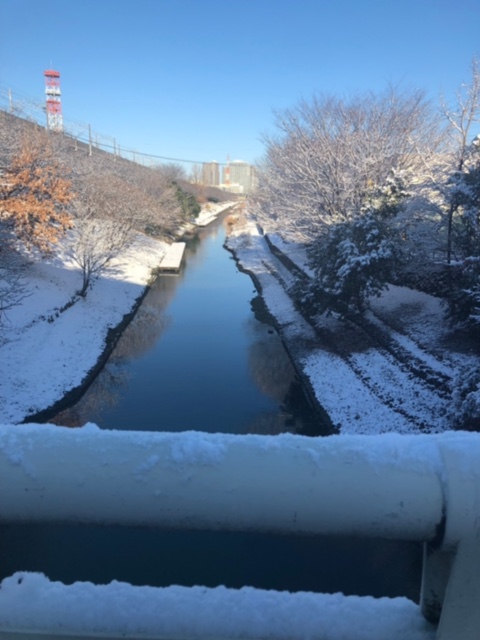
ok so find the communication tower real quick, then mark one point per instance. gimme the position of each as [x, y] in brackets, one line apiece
[53, 100]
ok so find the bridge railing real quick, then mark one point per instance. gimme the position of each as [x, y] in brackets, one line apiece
[423, 488]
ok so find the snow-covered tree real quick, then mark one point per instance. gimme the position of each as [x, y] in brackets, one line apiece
[96, 243]
[435, 223]
[465, 194]
[330, 153]
[466, 400]
[464, 291]
[463, 116]
[352, 260]
[104, 217]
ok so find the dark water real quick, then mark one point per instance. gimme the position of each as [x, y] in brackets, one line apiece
[198, 357]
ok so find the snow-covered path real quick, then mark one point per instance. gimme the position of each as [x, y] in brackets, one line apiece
[370, 378]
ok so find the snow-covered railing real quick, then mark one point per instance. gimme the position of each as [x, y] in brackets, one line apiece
[423, 488]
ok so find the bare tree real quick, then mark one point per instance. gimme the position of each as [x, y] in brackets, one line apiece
[159, 211]
[97, 242]
[329, 154]
[103, 226]
[13, 284]
[8, 138]
[172, 171]
[462, 118]
[196, 174]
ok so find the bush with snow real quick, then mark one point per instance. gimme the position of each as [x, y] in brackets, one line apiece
[464, 297]
[351, 261]
[466, 400]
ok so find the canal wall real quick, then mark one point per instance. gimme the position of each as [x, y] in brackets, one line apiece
[54, 342]
[291, 343]
[71, 397]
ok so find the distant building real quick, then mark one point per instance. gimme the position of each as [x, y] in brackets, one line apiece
[253, 178]
[211, 174]
[239, 175]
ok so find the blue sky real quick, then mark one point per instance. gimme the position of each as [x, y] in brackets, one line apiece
[199, 79]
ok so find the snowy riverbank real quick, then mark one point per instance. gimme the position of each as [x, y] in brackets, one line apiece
[364, 386]
[394, 373]
[45, 354]
[211, 211]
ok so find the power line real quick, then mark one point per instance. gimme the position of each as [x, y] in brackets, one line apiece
[150, 155]
[20, 102]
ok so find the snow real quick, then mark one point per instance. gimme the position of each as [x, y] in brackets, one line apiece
[29, 601]
[188, 449]
[211, 211]
[198, 449]
[44, 353]
[351, 405]
[364, 390]
[296, 252]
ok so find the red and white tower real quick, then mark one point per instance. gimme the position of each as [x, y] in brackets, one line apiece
[53, 100]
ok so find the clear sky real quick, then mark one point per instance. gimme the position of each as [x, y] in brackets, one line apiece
[199, 79]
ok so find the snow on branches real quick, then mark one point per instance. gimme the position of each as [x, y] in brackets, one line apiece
[352, 260]
[330, 153]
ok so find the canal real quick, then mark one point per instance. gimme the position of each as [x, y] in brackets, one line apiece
[200, 354]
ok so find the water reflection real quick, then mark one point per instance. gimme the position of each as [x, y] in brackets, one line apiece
[138, 338]
[270, 366]
[199, 355]
[147, 556]
[104, 392]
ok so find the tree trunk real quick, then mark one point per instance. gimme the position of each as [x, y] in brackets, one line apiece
[86, 283]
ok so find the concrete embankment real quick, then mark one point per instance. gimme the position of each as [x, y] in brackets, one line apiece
[296, 335]
[71, 397]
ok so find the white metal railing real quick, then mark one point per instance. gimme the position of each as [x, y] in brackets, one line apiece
[424, 488]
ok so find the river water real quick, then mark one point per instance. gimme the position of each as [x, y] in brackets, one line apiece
[197, 356]
[201, 355]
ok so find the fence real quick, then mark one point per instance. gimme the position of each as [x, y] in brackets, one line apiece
[28, 108]
[424, 488]
[244, 176]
